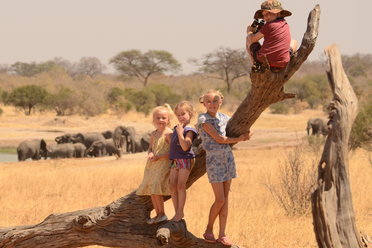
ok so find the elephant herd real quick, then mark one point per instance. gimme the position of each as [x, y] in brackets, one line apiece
[94, 144]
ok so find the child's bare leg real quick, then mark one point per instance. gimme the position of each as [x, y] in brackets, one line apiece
[173, 178]
[219, 201]
[154, 203]
[224, 209]
[183, 175]
[159, 199]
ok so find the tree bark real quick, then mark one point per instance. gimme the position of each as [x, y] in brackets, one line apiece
[332, 208]
[123, 222]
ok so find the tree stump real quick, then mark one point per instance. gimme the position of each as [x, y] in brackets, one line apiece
[332, 208]
[123, 222]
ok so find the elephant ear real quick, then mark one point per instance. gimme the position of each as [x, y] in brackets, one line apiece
[43, 145]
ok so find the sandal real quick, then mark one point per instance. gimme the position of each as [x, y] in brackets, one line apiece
[209, 238]
[225, 241]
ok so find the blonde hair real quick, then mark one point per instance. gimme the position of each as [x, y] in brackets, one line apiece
[217, 92]
[165, 108]
[185, 105]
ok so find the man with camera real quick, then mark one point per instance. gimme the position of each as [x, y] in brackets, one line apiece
[277, 46]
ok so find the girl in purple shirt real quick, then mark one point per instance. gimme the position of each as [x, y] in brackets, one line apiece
[181, 156]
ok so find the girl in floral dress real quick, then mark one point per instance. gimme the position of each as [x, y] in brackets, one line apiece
[156, 176]
[220, 163]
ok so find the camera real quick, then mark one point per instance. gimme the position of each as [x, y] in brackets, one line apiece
[257, 24]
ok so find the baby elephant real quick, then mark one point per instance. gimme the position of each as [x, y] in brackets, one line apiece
[317, 126]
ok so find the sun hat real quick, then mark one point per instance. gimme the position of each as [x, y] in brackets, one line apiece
[272, 6]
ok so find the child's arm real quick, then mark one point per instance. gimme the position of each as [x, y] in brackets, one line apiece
[209, 129]
[251, 37]
[150, 153]
[185, 141]
[168, 137]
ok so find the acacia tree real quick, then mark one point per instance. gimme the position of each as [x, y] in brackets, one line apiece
[27, 97]
[90, 66]
[122, 223]
[31, 69]
[134, 63]
[227, 63]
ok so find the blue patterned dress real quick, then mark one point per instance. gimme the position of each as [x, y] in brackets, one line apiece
[219, 157]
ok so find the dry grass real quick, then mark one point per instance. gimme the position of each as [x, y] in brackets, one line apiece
[33, 190]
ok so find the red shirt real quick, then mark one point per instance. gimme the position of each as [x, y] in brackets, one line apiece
[277, 40]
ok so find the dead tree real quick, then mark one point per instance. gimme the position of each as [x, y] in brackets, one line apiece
[123, 222]
[332, 208]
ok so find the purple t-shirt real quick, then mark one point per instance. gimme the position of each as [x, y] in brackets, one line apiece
[176, 151]
[276, 44]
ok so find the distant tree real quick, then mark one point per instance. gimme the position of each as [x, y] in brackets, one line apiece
[361, 133]
[134, 63]
[64, 102]
[143, 100]
[31, 69]
[27, 97]
[229, 64]
[89, 66]
[357, 64]
[4, 68]
[312, 89]
[64, 63]
[164, 94]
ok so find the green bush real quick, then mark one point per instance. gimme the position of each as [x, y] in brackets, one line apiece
[361, 132]
[64, 102]
[1, 111]
[163, 94]
[279, 108]
[143, 101]
[27, 97]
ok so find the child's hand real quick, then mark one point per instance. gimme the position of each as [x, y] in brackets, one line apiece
[246, 136]
[150, 155]
[179, 129]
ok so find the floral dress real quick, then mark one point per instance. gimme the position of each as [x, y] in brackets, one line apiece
[220, 161]
[156, 176]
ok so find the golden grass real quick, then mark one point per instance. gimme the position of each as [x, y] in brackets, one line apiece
[32, 190]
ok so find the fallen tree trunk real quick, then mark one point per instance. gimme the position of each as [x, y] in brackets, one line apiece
[332, 208]
[123, 222]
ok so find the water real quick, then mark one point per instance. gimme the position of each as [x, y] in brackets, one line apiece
[6, 157]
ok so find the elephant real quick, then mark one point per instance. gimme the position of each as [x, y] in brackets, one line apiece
[125, 134]
[80, 150]
[318, 126]
[87, 138]
[32, 148]
[66, 150]
[103, 147]
[107, 134]
[66, 138]
[145, 141]
[97, 149]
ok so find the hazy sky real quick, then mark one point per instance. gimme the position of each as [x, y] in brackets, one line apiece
[39, 30]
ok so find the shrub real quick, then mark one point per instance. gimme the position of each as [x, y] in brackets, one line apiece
[297, 179]
[361, 132]
[64, 102]
[27, 97]
[279, 108]
[1, 111]
[163, 94]
[143, 101]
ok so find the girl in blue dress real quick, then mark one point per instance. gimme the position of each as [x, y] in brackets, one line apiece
[220, 163]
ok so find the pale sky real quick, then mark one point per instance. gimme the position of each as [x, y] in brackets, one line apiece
[39, 30]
